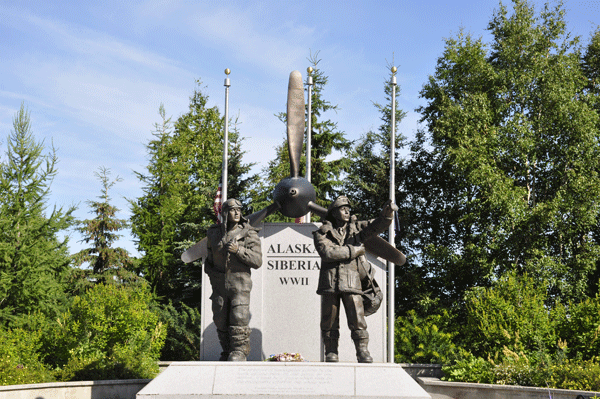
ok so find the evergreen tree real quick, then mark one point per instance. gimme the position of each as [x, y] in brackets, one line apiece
[179, 188]
[590, 64]
[515, 157]
[33, 260]
[106, 263]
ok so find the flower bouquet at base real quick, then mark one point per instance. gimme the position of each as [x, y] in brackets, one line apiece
[285, 357]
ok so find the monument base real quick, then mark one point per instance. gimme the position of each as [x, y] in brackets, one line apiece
[297, 380]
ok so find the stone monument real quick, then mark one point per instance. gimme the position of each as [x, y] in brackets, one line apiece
[285, 311]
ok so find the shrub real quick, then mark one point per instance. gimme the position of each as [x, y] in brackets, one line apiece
[110, 332]
[520, 369]
[423, 340]
[511, 314]
[538, 370]
[19, 358]
[576, 374]
[183, 332]
[469, 368]
[581, 328]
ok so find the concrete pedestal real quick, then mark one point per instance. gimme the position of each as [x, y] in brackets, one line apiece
[252, 380]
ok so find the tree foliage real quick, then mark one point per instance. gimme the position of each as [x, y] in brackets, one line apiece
[512, 123]
[183, 332]
[33, 259]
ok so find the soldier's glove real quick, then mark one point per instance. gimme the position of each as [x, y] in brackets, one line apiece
[388, 209]
[232, 247]
[360, 250]
[356, 251]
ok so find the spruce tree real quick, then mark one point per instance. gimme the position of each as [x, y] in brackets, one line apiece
[33, 259]
[326, 137]
[104, 262]
[367, 186]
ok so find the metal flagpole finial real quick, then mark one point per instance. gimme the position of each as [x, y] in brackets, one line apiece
[227, 72]
[394, 70]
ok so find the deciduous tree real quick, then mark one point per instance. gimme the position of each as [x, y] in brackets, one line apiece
[512, 124]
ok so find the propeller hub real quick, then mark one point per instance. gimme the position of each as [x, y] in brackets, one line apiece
[293, 195]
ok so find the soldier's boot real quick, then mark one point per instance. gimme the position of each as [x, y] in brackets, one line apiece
[240, 343]
[361, 343]
[330, 341]
[224, 340]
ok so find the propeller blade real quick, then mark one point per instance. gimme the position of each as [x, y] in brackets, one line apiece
[196, 251]
[317, 209]
[259, 216]
[383, 249]
[295, 121]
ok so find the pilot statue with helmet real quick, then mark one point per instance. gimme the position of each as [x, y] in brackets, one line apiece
[233, 250]
[340, 243]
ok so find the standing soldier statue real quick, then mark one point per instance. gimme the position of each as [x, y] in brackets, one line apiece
[340, 243]
[233, 250]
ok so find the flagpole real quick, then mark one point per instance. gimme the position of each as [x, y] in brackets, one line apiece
[309, 83]
[390, 265]
[225, 138]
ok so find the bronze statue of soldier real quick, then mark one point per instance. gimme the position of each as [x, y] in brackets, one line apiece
[340, 243]
[233, 251]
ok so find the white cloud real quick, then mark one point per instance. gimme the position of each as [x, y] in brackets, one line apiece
[102, 47]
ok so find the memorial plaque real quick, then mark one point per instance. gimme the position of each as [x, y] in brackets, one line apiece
[254, 380]
[244, 380]
[284, 305]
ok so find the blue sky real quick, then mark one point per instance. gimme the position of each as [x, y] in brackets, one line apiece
[93, 74]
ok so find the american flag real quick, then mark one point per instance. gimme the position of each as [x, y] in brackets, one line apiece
[217, 204]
